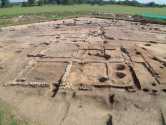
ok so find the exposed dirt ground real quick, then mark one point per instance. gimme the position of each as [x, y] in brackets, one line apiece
[85, 71]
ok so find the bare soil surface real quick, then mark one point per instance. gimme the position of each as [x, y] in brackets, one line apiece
[85, 71]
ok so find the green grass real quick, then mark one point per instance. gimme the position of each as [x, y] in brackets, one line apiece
[49, 12]
[6, 116]
[76, 9]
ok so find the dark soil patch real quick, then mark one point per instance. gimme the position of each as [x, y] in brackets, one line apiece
[147, 44]
[120, 75]
[120, 67]
[103, 79]
[145, 90]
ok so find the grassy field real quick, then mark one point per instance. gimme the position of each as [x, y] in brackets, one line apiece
[7, 118]
[49, 12]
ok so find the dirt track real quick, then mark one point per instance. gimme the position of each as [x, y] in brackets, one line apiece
[85, 71]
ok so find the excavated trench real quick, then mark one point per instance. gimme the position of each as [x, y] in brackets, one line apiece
[96, 60]
[74, 54]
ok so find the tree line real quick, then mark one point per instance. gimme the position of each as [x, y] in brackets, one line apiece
[6, 3]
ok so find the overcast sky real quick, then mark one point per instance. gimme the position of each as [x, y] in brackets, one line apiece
[157, 1]
[146, 1]
[143, 1]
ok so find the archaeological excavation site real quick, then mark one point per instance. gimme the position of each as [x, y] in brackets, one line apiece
[85, 71]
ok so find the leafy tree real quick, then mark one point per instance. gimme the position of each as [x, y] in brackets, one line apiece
[31, 2]
[4, 3]
[41, 2]
[66, 2]
[151, 4]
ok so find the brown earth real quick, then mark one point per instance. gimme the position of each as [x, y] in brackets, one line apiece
[85, 71]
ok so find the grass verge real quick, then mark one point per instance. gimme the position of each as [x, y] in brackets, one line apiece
[7, 118]
[15, 15]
